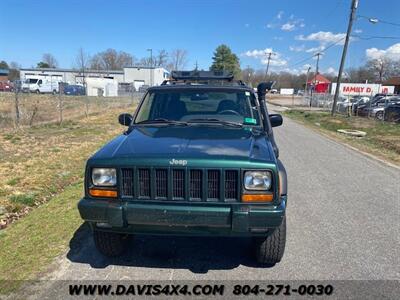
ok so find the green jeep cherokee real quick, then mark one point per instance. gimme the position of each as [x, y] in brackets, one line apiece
[198, 158]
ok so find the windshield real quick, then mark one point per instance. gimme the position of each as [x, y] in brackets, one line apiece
[30, 81]
[198, 106]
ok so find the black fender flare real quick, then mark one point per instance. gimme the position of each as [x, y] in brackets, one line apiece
[282, 178]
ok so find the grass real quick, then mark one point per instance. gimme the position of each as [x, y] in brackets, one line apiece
[30, 245]
[24, 199]
[382, 139]
[38, 162]
[39, 109]
[43, 174]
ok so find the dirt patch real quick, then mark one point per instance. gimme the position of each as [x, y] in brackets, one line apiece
[34, 109]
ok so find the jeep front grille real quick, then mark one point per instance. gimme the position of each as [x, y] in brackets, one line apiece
[144, 183]
[213, 184]
[231, 181]
[178, 184]
[127, 182]
[195, 184]
[161, 183]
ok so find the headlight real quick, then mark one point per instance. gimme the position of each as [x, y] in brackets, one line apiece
[104, 177]
[257, 180]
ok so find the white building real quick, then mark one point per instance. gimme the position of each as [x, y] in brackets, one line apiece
[70, 76]
[145, 76]
[97, 80]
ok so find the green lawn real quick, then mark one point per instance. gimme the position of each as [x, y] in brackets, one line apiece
[382, 139]
[31, 244]
[42, 173]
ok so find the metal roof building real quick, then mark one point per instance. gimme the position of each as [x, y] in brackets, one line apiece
[136, 75]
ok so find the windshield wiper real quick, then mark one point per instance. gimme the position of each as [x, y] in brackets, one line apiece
[162, 121]
[216, 121]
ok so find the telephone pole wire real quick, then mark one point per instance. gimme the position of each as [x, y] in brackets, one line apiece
[354, 5]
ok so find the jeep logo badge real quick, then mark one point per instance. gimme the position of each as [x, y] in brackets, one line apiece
[179, 162]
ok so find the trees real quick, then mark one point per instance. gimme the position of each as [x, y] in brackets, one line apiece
[82, 60]
[161, 59]
[3, 65]
[42, 64]
[82, 63]
[178, 59]
[224, 59]
[50, 60]
[14, 71]
[110, 59]
[383, 68]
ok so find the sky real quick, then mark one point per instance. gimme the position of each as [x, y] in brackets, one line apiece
[293, 30]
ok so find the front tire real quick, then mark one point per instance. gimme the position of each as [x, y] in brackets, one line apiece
[110, 244]
[379, 115]
[270, 249]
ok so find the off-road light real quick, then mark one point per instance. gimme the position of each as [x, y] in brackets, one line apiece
[104, 176]
[257, 180]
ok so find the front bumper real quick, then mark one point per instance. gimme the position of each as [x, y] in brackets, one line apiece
[182, 218]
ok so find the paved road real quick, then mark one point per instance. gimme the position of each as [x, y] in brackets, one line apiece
[343, 223]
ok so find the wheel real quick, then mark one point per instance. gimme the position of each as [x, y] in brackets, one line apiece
[379, 115]
[270, 249]
[109, 243]
[54, 92]
[37, 92]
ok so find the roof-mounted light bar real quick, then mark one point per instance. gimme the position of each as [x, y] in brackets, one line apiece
[201, 75]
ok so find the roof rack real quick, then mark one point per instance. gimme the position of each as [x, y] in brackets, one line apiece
[201, 77]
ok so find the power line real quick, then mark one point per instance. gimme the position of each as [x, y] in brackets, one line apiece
[377, 37]
[313, 55]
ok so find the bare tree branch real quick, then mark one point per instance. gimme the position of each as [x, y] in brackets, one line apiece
[50, 60]
[178, 59]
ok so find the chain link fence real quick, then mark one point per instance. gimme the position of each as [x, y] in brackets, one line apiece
[29, 109]
[324, 102]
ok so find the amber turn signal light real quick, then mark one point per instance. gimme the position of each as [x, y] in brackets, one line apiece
[103, 193]
[257, 197]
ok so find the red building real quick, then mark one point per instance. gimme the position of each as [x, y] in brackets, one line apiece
[319, 84]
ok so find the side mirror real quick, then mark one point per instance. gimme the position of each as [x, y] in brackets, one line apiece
[276, 120]
[125, 119]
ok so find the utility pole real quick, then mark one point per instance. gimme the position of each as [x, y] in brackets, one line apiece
[151, 66]
[248, 75]
[269, 59]
[308, 73]
[354, 5]
[315, 77]
[317, 65]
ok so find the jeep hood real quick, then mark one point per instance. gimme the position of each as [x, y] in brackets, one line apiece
[203, 142]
